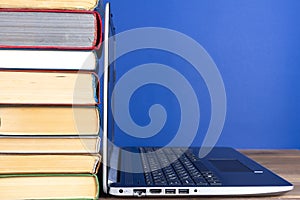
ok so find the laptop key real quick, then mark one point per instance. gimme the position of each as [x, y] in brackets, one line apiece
[188, 182]
[174, 183]
[195, 173]
[149, 182]
[199, 179]
[215, 184]
[202, 183]
[161, 183]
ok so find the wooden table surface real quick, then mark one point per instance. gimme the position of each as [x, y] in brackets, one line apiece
[285, 163]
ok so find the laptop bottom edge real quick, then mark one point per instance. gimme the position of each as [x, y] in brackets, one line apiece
[199, 191]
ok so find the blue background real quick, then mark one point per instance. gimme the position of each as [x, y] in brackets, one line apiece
[256, 46]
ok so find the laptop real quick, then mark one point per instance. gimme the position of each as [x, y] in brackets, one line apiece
[174, 171]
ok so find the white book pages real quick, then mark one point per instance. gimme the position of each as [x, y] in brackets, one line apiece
[51, 60]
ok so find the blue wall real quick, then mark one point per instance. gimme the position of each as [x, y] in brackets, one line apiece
[256, 46]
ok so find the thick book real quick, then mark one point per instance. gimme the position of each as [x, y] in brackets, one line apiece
[50, 4]
[49, 186]
[48, 59]
[49, 163]
[49, 29]
[49, 87]
[50, 144]
[49, 120]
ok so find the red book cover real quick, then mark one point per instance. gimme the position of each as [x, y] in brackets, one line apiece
[50, 29]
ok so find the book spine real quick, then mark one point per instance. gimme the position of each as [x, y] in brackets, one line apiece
[98, 186]
[98, 32]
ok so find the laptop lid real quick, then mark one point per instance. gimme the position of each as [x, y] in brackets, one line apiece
[108, 81]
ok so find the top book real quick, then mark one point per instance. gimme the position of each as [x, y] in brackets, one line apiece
[50, 29]
[50, 4]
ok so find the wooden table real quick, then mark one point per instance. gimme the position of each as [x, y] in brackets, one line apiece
[286, 163]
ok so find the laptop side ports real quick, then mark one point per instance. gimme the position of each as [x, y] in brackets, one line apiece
[155, 191]
[183, 191]
[170, 191]
[139, 192]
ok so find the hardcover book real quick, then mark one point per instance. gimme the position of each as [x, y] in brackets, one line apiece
[49, 29]
[49, 163]
[49, 120]
[50, 144]
[49, 87]
[50, 4]
[49, 186]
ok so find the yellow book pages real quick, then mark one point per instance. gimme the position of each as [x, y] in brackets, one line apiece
[48, 120]
[49, 144]
[48, 187]
[50, 4]
[65, 88]
[28, 163]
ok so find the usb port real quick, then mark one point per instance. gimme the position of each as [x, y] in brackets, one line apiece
[170, 191]
[183, 191]
[155, 191]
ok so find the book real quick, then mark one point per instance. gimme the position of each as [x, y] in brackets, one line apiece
[50, 4]
[49, 186]
[49, 120]
[49, 29]
[48, 59]
[49, 163]
[47, 144]
[48, 87]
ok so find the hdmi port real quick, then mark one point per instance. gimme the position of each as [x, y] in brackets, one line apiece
[155, 191]
[170, 191]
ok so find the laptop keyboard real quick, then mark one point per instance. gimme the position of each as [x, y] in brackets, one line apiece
[175, 167]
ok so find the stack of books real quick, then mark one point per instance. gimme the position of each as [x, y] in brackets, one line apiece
[49, 118]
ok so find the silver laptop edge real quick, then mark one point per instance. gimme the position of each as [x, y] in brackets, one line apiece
[105, 99]
[202, 191]
[110, 154]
